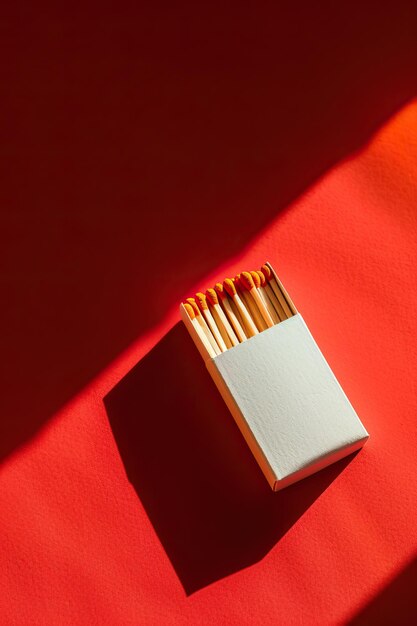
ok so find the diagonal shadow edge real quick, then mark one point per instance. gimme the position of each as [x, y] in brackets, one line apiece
[27, 413]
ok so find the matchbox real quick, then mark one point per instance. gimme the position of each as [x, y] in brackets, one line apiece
[284, 397]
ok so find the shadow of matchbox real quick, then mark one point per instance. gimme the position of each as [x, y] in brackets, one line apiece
[284, 397]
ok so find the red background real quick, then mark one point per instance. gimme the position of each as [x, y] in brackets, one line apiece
[147, 151]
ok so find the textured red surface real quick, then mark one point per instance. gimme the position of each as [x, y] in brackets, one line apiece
[147, 154]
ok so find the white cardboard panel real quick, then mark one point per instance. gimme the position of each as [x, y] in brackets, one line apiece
[287, 402]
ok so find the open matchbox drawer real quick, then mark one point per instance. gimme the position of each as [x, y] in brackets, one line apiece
[285, 399]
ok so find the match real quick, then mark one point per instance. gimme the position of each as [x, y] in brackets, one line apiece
[203, 324]
[262, 291]
[233, 319]
[283, 309]
[202, 336]
[250, 304]
[230, 288]
[202, 303]
[225, 328]
[247, 281]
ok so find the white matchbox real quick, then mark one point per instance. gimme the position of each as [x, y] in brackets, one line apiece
[285, 399]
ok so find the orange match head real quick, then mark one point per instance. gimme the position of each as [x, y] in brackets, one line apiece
[236, 282]
[229, 287]
[247, 280]
[266, 272]
[189, 310]
[212, 296]
[261, 278]
[202, 301]
[193, 305]
[256, 279]
[220, 291]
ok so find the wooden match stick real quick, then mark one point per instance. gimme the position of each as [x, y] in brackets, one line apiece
[271, 295]
[250, 304]
[265, 297]
[233, 319]
[236, 311]
[275, 294]
[202, 303]
[225, 328]
[247, 320]
[203, 324]
[199, 330]
[247, 282]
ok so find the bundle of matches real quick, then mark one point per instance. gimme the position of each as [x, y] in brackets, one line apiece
[237, 309]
